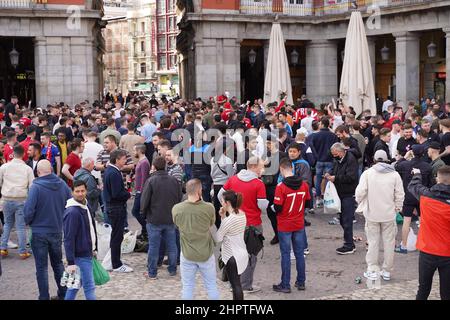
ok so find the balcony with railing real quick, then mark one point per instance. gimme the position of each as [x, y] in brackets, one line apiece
[17, 3]
[319, 7]
[282, 7]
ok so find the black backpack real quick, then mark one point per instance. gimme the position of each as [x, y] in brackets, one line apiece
[254, 240]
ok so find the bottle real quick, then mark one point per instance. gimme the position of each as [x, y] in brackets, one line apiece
[77, 279]
[70, 281]
[64, 279]
[374, 283]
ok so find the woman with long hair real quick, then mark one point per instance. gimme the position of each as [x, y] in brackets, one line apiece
[231, 234]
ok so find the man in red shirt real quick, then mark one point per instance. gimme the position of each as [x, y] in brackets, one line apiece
[289, 204]
[8, 153]
[253, 192]
[31, 135]
[73, 161]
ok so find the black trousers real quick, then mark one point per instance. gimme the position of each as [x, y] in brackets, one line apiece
[149, 150]
[217, 204]
[234, 278]
[270, 193]
[116, 214]
[428, 264]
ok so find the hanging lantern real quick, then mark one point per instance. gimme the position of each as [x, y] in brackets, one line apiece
[432, 50]
[14, 57]
[294, 57]
[252, 57]
[385, 53]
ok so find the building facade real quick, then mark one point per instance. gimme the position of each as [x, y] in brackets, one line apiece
[167, 62]
[409, 43]
[59, 47]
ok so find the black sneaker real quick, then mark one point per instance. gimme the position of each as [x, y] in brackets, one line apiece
[274, 241]
[345, 250]
[307, 223]
[300, 287]
[279, 288]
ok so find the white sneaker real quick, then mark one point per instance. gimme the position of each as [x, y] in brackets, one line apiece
[385, 275]
[12, 245]
[124, 269]
[306, 251]
[292, 255]
[372, 275]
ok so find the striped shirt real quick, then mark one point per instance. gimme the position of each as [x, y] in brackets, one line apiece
[104, 156]
[176, 171]
[231, 234]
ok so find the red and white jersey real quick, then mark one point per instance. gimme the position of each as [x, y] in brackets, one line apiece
[302, 113]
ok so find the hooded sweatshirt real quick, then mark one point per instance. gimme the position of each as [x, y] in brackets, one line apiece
[290, 199]
[380, 190]
[80, 237]
[44, 208]
[253, 193]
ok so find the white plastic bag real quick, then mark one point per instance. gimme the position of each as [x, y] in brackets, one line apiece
[103, 239]
[106, 263]
[411, 242]
[128, 242]
[331, 201]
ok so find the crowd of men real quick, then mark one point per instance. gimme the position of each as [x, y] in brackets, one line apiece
[194, 166]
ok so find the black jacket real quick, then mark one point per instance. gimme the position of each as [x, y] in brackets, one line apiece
[354, 148]
[440, 192]
[404, 168]
[381, 145]
[29, 162]
[404, 145]
[159, 194]
[346, 175]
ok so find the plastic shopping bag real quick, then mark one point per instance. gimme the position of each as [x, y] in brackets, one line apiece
[129, 242]
[101, 276]
[331, 201]
[103, 239]
[411, 241]
[107, 263]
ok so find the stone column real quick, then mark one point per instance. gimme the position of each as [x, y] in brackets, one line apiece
[321, 71]
[232, 67]
[447, 64]
[40, 62]
[407, 67]
[206, 68]
[55, 70]
[372, 53]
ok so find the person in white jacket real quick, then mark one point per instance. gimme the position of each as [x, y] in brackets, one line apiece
[16, 178]
[380, 196]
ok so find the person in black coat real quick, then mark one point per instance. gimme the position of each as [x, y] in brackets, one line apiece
[382, 144]
[343, 132]
[34, 155]
[345, 177]
[405, 168]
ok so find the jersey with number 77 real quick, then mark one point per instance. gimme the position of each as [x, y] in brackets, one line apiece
[292, 198]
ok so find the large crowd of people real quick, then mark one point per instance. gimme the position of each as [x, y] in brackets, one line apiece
[203, 172]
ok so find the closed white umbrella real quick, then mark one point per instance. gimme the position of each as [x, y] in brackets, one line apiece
[278, 78]
[357, 89]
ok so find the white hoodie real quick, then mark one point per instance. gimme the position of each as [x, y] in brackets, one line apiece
[380, 191]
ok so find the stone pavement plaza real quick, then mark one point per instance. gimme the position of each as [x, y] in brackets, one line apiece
[329, 276]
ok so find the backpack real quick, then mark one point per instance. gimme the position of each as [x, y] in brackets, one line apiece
[254, 240]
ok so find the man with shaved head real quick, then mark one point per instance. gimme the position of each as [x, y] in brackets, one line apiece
[43, 211]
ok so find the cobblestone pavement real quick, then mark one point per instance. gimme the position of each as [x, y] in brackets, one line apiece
[329, 276]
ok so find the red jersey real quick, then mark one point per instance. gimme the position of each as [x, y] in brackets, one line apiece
[74, 162]
[8, 153]
[248, 123]
[302, 113]
[25, 121]
[226, 114]
[292, 216]
[25, 144]
[251, 191]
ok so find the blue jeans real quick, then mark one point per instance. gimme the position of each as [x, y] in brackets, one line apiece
[87, 280]
[162, 248]
[208, 273]
[156, 233]
[206, 187]
[321, 169]
[136, 212]
[346, 220]
[13, 211]
[298, 243]
[43, 246]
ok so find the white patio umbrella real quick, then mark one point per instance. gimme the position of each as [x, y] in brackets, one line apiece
[357, 89]
[278, 78]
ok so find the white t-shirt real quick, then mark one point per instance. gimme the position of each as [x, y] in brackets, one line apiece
[91, 150]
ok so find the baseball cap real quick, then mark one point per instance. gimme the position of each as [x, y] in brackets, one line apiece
[396, 122]
[380, 155]
[417, 149]
[435, 145]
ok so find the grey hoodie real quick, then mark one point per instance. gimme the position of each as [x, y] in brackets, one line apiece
[382, 167]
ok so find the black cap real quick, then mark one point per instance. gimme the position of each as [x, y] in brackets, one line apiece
[417, 149]
[435, 146]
